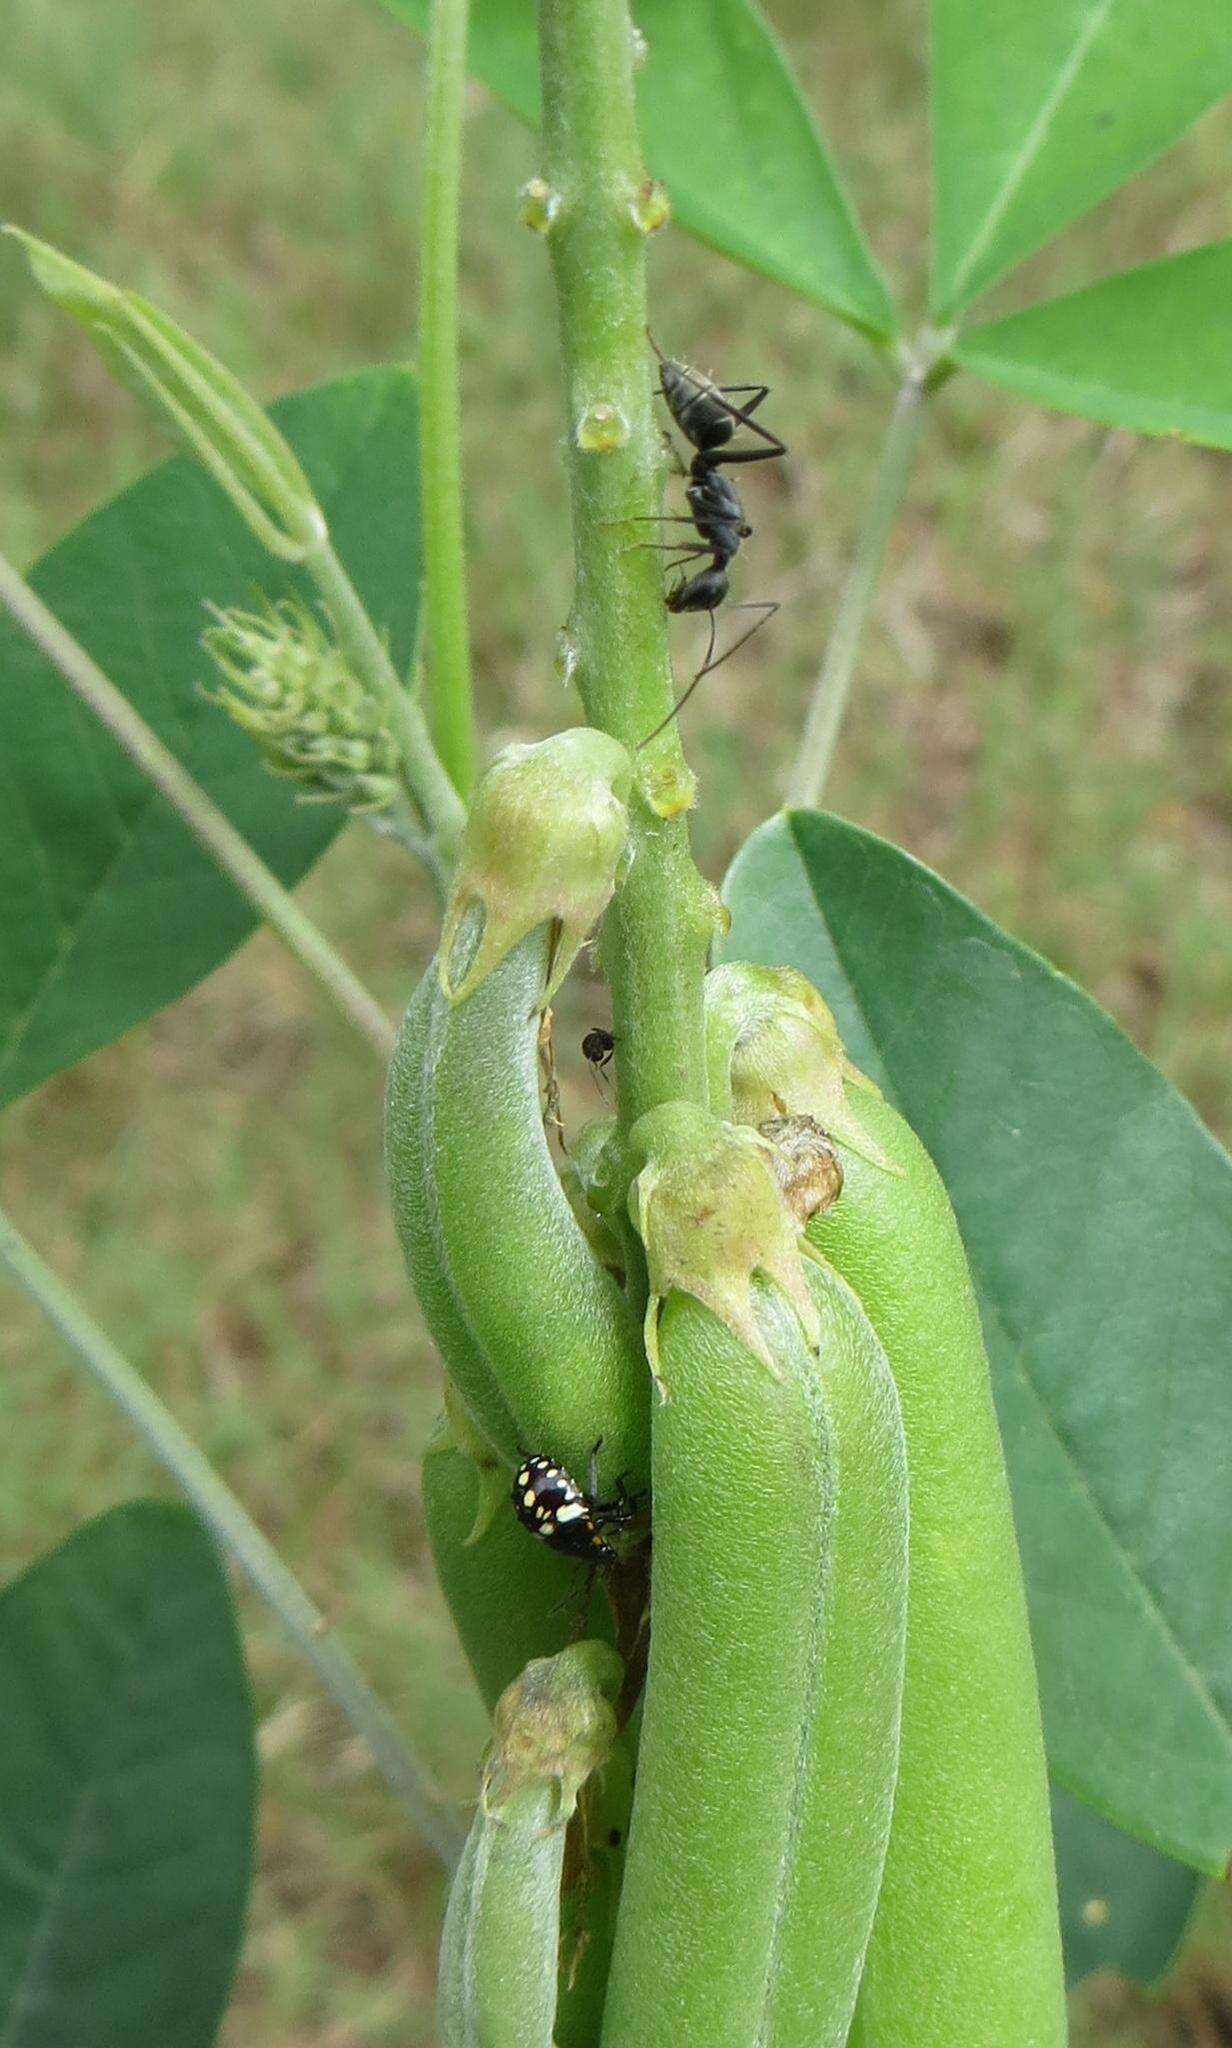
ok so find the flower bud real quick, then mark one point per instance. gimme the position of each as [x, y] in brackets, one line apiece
[773, 1050]
[202, 401]
[538, 206]
[557, 1721]
[543, 843]
[710, 1214]
[602, 428]
[650, 208]
[286, 683]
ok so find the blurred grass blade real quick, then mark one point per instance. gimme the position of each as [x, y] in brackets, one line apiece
[1124, 1907]
[200, 399]
[1097, 1214]
[725, 127]
[1040, 110]
[109, 909]
[127, 1788]
[1150, 349]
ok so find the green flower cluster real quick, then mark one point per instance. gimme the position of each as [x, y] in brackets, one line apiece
[286, 683]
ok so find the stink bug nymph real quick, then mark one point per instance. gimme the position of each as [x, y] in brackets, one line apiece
[551, 1504]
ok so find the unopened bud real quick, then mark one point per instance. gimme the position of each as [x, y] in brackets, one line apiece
[538, 206]
[650, 208]
[710, 1214]
[773, 1050]
[543, 844]
[199, 399]
[602, 428]
[555, 1723]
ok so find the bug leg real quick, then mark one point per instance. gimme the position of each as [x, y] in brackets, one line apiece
[767, 607]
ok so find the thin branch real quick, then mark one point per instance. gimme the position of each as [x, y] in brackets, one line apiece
[239, 1535]
[833, 688]
[450, 705]
[597, 210]
[198, 811]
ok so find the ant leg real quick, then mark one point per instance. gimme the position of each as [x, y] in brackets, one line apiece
[767, 608]
[743, 415]
[760, 393]
[682, 700]
[592, 1468]
[682, 548]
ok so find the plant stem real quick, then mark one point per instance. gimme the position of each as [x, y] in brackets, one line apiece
[657, 933]
[240, 1536]
[450, 704]
[833, 687]
[198, 811]
[428, 786]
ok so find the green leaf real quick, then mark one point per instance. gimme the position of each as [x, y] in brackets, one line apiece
[127, 1787]
[1150, 349]
[725, 127]
[109, 909]
[1123, 1906]
[1097, 1215]
[1041, 110]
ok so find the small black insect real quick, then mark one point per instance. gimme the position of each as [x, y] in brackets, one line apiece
[550, 1503]
[598, 1048]
[706, 416]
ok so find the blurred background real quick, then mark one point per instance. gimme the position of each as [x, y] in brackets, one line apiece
[1042, 713]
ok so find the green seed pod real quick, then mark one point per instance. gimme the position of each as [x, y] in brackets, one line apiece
[966, 1946]
[511, 1599]
[768, 1750]
[554, 1727]
[410, 1162]
[536, 1333]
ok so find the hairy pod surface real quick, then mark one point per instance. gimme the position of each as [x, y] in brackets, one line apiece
[554, 1728]
[511, 1598]
[769, 1741]
[966, 1946]
[409, 1140]
[482, 1216]
[502, 1928]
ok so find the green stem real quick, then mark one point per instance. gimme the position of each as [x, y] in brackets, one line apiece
[833, 688]
[240, 1536]
[201, 815]
[658, 930]
[440, 429]
[428, 786]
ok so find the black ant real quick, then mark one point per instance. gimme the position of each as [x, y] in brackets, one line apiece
[706, 416]
[598, 1049]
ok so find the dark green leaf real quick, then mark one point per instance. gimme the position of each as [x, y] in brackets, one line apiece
[127, 1785]
[108, 907]
[1150, 349]
[1097, 1215]
[1123, 1906]
[724, 126]
[1041, 109]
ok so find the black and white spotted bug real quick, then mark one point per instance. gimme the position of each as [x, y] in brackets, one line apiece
[551, 1504]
